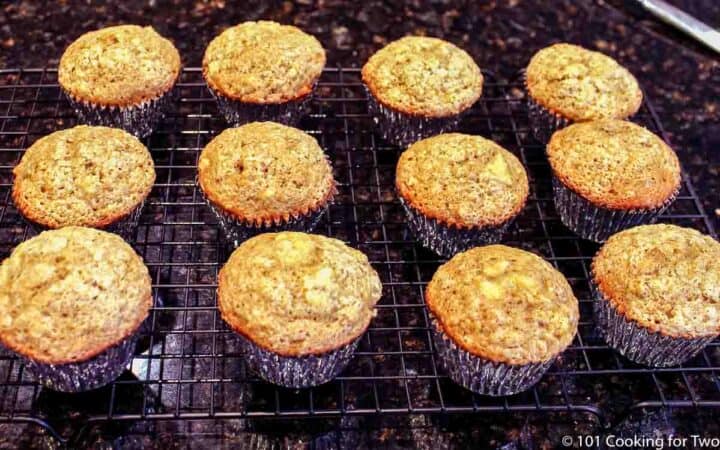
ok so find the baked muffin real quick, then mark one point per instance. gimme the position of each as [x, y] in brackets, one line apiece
[263, 177]
[71, 302]
[263, 71]
[120, 76]
[460, 191]
[658, 293]
[566, 83]
[609, 175]
[85, 176]
[419, 87]
[499, 317]
[300, 303]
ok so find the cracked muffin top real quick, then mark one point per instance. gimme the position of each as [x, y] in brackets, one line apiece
[67, 295]
[664, 277]
[119, 66]
[504, 304]
[423, 76]
[615, 164]
[463, 180]
[298, 294]
[581, 84]
[85, 176]
[263, 62]
[264, 173]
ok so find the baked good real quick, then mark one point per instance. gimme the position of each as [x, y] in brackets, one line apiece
[263, 71]
[658, 293]
[500, 317]
[609, 175]
[120, 76]
[566, 83]
[264, 176]
[300, 303]
[85, 176]
[71, 302]
[419, 86]
[460, 191]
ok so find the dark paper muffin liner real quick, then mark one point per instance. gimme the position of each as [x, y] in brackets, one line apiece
[596, 223]
[236, 231]
[139, 120]
[125, 227]
[404, 129]
[639, 344]
[238, 113]
[86, 375]
[543, 122]
[446, 240]
[481, 375]
[300, 371]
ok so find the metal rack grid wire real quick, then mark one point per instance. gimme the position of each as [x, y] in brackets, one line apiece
[188, 364]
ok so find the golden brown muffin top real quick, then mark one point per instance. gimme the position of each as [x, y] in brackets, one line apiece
[663, 277]
[462, 180]
[298, 294]
[581, 84]
[504, 304]
[264, 172]
[67, 295]
[119, 66]
[263, 62]
[423, 76]
[615, 164]
[84, 176]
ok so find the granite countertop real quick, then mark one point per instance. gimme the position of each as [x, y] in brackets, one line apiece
[680, 76]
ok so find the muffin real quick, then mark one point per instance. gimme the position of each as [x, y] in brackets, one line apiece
[566, 83]
[657, 291]
[499, 318]
[85, 176]
[71, 303]
[419, 87]
[263, 177]
[459, 191]
[120, 76]
[263, 71]
[300, 303]
[609, 175]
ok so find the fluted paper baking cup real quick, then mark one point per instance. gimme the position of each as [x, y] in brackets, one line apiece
[86, 375]
[446, 240]
[596, 223]
[404, 129]
[543, 122]
[481, 375]
[639, 344]
[139, 120]
[235, 231]
[297, 371]
[237, 112]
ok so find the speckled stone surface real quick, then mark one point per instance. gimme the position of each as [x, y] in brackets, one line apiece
[681, 77]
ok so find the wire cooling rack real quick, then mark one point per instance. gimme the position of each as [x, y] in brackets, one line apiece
[188, 365]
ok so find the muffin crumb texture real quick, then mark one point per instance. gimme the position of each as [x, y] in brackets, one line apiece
[615, 164]
[664, 277]
[504, 304]
[67, 295]
[263, 62]
[264, 172]
[85, 176]
[119, 66]
[581, 84]
[462, 180]
[298, 294]
[423, 76]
